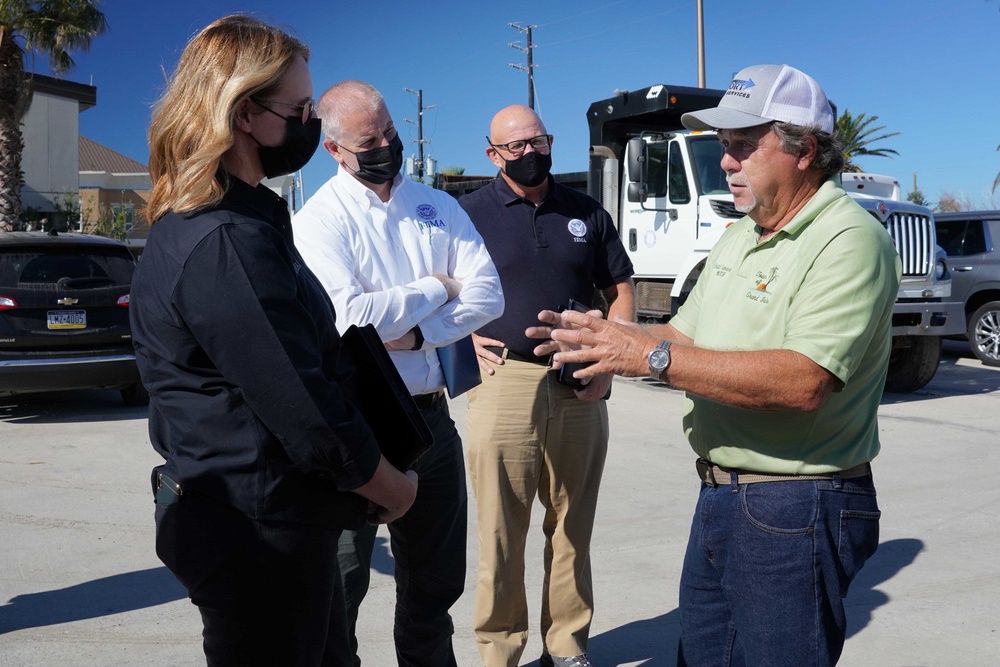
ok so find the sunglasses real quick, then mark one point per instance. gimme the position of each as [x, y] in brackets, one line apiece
[307, 111]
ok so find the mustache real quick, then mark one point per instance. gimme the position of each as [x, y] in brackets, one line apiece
[737, 179]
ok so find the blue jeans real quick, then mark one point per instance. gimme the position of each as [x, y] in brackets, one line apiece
[767, 568]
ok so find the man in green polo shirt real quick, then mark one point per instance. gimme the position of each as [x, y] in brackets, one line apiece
[782, 351]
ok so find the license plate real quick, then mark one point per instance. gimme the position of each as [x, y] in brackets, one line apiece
[67, 319]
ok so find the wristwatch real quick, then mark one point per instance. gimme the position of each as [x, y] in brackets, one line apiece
[418, 338]
[659, 359]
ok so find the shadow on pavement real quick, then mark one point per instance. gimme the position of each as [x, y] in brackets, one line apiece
[952, 378]
[91, 599]
[653, 642]
[863, 599]
[63, 407]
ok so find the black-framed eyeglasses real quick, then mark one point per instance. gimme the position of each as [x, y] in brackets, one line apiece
[307, 111]
[541, 142]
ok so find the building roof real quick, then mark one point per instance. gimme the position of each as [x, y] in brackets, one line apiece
[81, 92]
[97, 158]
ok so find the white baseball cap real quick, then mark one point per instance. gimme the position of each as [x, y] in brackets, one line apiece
[763, 93]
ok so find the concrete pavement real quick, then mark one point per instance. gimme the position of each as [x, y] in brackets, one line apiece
[80, 585]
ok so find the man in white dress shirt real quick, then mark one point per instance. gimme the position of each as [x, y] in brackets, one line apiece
[406, 258]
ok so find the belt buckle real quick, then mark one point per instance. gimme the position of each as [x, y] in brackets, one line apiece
[705, 472]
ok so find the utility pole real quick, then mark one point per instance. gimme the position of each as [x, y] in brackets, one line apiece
[419, 166]
[530, 67]
[701, 45]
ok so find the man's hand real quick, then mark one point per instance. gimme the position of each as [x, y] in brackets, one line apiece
[487, 358]
[450, 284]
[618, 347]
[551, 345]
[596, 389]
[405, 342]
[390, 493]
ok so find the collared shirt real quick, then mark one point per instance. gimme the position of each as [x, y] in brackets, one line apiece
[236, 342]
[377, 261]
[824, 286]
[561, 249]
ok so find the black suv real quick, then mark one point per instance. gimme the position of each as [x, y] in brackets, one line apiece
[64, 315]
[968, 238]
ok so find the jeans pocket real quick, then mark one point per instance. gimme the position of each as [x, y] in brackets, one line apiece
[857, 541]
[783, 508]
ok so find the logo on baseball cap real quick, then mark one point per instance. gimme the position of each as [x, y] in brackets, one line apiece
[763, 93]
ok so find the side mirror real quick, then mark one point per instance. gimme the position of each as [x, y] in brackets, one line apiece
[638, 164]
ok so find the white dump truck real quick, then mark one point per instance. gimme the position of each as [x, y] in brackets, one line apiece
[664, 187]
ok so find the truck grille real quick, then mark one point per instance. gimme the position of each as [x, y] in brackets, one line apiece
[913, 236]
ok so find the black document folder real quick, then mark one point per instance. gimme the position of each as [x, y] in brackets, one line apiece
[460, 365]
[401, 432]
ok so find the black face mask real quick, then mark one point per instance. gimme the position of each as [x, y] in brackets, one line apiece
[379, 165]
[529, 170]
[301, 141]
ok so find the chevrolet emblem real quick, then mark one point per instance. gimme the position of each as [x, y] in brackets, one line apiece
[67, 301]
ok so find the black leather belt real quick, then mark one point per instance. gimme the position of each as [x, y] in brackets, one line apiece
[428, 401]
[507, 353]
[714, 475]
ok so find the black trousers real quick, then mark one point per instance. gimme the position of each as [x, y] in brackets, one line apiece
[269, 593]
[428, 544]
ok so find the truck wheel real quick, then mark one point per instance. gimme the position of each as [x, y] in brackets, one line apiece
[135, 395]
[984, 333]
[912, 363]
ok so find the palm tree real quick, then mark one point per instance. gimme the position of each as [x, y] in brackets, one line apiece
[53, 28]
[856, 133]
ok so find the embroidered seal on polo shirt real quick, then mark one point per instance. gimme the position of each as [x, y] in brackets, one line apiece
[578, 228]
[426, 212]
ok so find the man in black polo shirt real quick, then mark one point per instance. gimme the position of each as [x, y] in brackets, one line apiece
[528, 434]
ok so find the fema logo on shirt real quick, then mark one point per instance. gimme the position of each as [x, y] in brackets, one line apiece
[578, 228]
[428, 216]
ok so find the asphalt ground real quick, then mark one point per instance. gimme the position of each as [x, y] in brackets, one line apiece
[80, 585]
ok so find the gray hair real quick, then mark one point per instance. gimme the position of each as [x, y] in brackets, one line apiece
[343, 98]
[829, 158]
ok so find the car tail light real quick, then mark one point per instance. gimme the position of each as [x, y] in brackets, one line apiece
[122, 301]
[6, 302]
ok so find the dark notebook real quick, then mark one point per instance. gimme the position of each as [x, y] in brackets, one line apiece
[399, 428]
[460, 365]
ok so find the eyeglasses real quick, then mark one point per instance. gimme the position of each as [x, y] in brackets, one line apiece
[307, 111]
[541, 142]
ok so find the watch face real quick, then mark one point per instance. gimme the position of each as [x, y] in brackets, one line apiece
[659, 359]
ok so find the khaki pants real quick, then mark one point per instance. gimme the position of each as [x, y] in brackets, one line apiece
[529, 435]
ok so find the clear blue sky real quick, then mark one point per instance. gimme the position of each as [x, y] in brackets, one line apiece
[927, 68]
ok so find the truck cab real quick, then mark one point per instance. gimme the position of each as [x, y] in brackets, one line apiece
[666, 190]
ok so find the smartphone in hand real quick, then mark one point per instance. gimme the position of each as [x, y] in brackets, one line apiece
[566, 371]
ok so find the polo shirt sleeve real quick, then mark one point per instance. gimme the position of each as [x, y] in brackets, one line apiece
[613, 264]
[850, 287]
[239, 296]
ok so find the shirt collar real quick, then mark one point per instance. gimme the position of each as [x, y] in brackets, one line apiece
[827, 193]
[360, 192]
[261, 201]
[509, 197]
